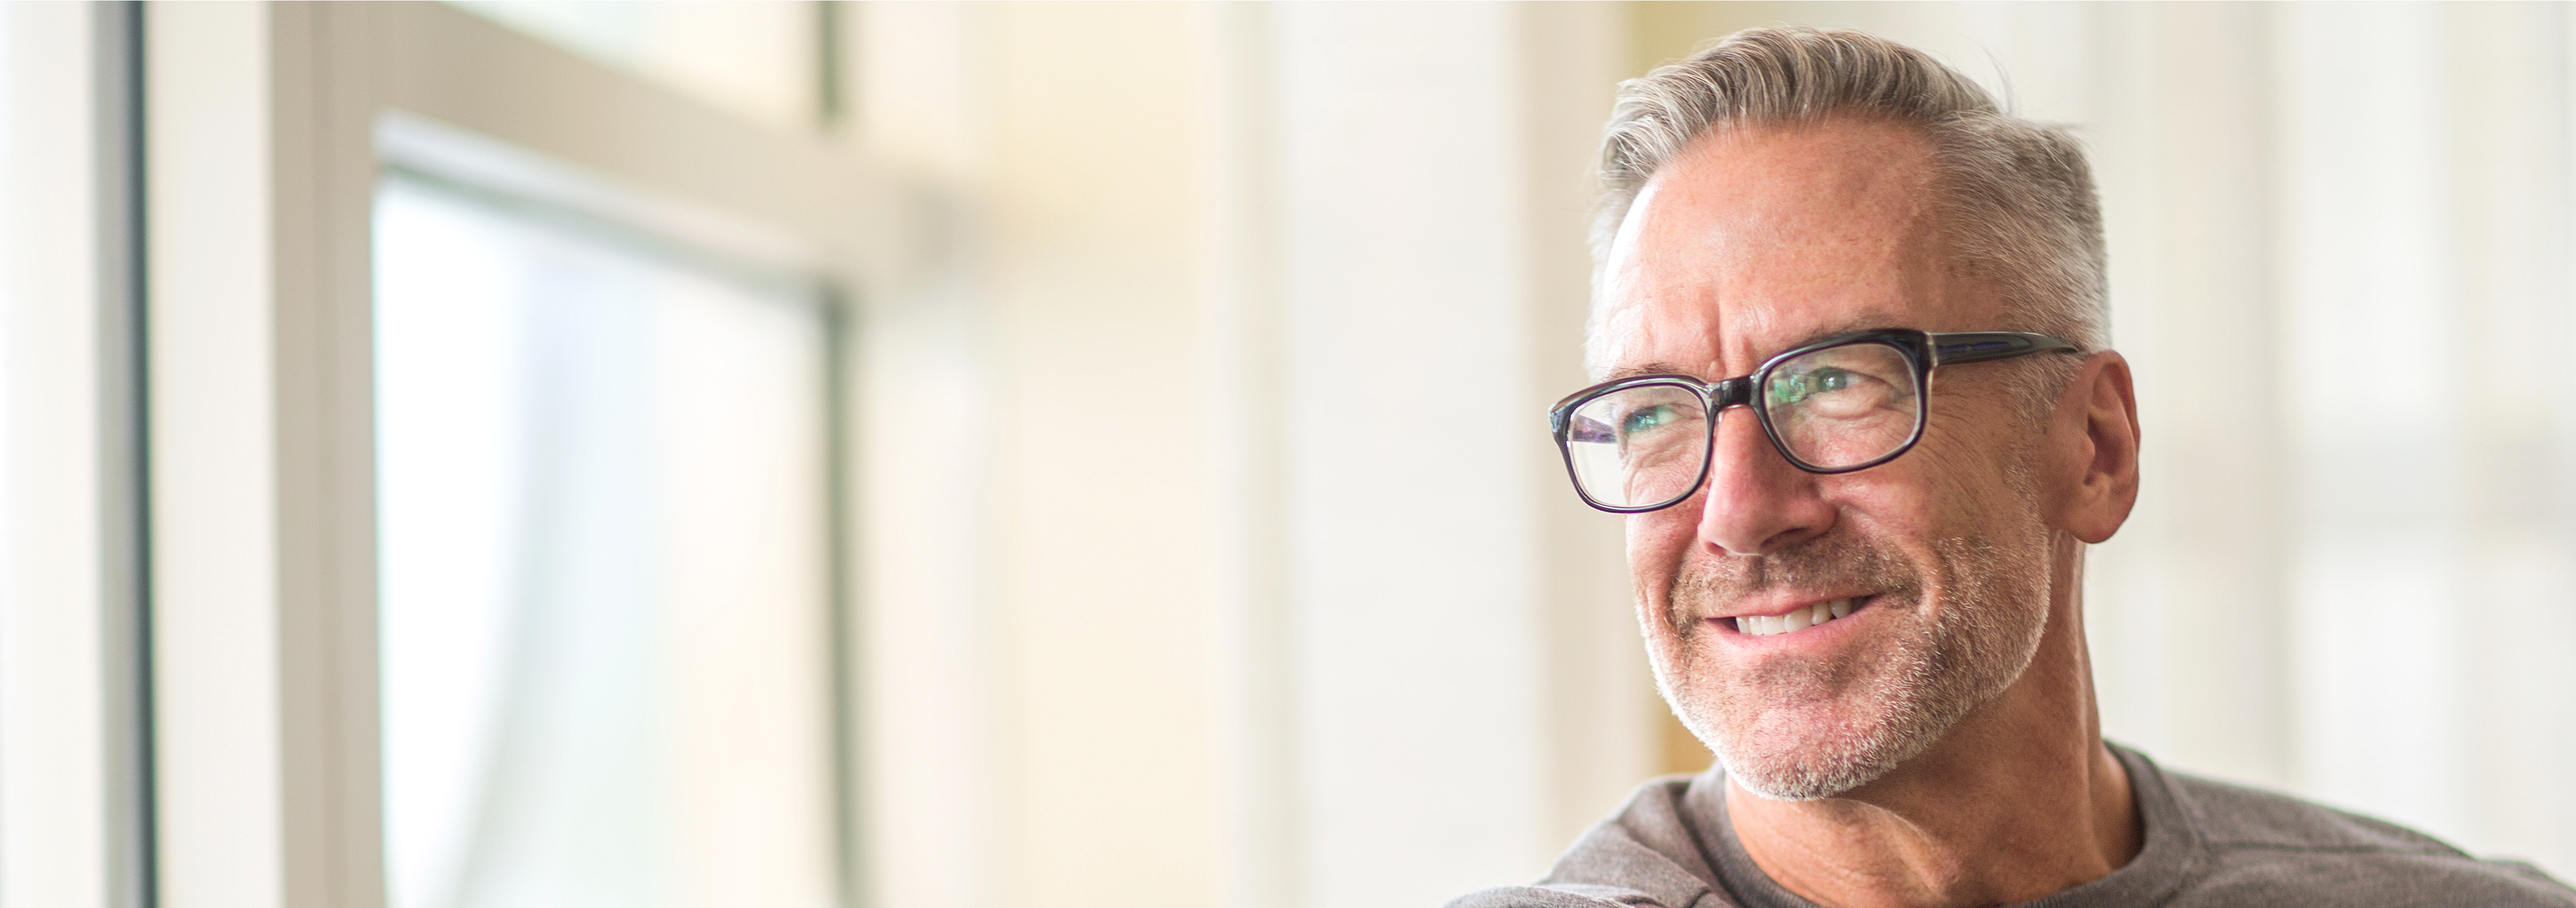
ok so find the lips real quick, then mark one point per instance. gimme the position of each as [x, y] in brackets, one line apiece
[1797, 619]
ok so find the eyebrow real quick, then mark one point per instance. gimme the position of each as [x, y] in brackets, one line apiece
[1624, 373]
[1865, 323]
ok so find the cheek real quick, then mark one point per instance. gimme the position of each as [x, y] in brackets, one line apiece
[1954, 483]
[1658, 543]
[1899, 503]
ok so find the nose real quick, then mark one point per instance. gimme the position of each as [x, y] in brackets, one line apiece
[1755, 501]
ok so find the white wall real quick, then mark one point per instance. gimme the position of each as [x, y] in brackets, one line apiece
[1412, 548]
[218, 715]
[57, 787]
[2432, 526]
[1272, 597]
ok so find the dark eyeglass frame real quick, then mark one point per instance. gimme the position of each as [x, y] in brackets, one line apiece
[1923, 351]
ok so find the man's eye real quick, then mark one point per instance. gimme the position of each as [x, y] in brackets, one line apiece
[1649, 418]
[1792, 389]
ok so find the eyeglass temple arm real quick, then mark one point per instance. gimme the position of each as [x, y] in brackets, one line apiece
[1982, 346]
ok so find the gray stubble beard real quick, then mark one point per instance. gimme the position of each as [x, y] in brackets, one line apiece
[1995, 601]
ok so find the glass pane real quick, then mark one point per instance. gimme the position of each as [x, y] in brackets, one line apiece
[1639, 447]
[760, 60]
[1843, 406]
[606, 627]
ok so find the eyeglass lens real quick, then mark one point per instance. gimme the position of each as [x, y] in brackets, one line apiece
[1830, 409]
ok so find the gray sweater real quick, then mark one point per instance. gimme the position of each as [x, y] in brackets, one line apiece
[2208, 844]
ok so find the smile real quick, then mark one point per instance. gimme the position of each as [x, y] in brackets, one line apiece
[1797, 619]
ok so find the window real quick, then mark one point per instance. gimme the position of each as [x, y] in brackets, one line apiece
[606, 591]
[493, 442]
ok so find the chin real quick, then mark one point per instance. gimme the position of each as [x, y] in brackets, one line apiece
[1810, 757]
[1804, 732]
[1804, 727]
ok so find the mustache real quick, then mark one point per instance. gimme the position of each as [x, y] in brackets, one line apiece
[1833, 561]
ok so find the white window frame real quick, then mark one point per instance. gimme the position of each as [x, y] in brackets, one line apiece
[262, 167]
[73, 797]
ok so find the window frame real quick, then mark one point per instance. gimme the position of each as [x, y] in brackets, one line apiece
[262, 162]
[75, 795]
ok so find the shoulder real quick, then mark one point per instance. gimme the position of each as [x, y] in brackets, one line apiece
[1645, 856]
[2260, 845]
[1559, 895]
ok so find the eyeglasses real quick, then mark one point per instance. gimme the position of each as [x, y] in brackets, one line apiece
[1843, 403]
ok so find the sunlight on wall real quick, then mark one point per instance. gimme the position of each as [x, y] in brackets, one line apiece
[755, 59]
[1163, 613]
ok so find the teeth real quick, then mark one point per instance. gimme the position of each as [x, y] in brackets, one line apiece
[1796, 619]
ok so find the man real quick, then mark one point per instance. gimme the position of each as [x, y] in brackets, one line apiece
[1859, 406]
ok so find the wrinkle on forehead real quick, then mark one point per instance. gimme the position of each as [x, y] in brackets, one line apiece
[1753, 239]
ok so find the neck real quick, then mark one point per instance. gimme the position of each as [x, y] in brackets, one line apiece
[2019, 800]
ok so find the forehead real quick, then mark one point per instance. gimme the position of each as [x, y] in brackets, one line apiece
[1753, 240]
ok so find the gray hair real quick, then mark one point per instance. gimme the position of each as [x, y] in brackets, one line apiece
[2016, 197]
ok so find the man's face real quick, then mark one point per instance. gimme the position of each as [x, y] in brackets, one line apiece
[1748, 244]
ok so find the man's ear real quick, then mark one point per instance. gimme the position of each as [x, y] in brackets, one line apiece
[2096, 437]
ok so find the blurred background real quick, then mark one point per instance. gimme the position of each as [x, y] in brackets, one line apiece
[940, 454]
